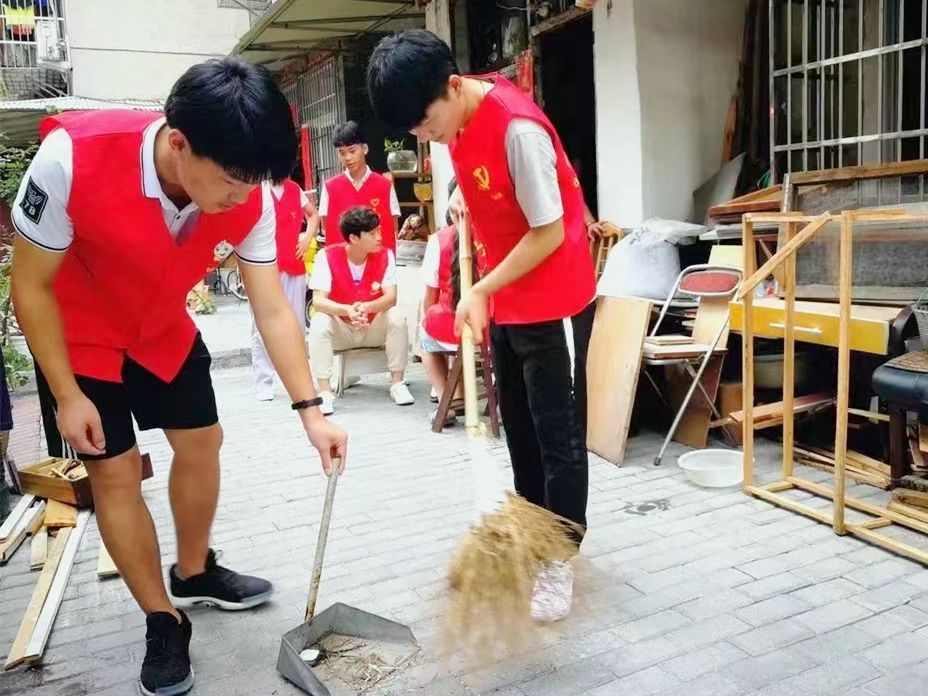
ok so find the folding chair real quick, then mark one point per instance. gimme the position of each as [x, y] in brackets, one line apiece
[713, 286]
[602, 245]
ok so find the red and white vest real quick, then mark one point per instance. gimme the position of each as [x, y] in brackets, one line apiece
[123, 284]
[565, 283]
[289, 215]
[344, 289]
[374, 193]
[438, 321]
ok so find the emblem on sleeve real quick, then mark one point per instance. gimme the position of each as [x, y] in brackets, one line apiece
[34, 201]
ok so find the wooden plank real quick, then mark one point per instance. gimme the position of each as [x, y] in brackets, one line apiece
[788, 250]
[844, 371]
[747, 360]
[788, 279]
[775, 410]
[690, 350]
[727, 255]
[731, 396]
[19, 533]
[105, 566]
[38, 519]
[766, 200]
[43, 626]
[668, 340]
[871, 415]
[60, 514]
[866, 171]
[39, 596]
[889, 543]
[613, 365]
[791, 505]
[923, 437]
[909, 511]
[910, 498]
[557, 21]
[15, 516]
[38, 550]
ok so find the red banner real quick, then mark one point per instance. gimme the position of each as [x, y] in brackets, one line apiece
[525, 72]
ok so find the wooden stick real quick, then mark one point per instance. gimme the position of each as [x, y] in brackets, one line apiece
[105, 566]
[872, 415]
[39, 596]
[864, 171]
[778, 486]
[788, 504]
[7, 527]
[789, 355]
[844, 369]
[908, 511]
[747, 362]
[889, 543]
[43, 626]
[38, 520]
[38, 551]
[18, 535]
[809, 231]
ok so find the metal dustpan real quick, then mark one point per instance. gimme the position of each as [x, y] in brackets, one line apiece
[351, 650]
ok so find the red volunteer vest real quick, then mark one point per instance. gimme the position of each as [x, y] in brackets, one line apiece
[289, 214]
[565, 283]
[344, 289]
[374, 193]
[439, 318]
[123, 284]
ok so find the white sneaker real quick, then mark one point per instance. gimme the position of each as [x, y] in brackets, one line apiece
[433, 395]
[352, 381]
[327, 407]
[554, 590]
[399, 392]
[264, 392]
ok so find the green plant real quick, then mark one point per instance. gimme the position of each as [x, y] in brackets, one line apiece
[13, 163]
[394, 145]
[16, 364]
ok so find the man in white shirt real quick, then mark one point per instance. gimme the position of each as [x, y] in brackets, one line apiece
[354, 294]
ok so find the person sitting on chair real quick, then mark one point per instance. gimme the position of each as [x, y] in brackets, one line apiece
[441, 273]
[354, 295]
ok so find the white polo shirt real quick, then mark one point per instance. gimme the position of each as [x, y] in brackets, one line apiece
[52, 172]
[324, 197]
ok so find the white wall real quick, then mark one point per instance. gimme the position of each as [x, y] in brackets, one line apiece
[136, 49]
[618, 113]
[665, 71]
[688, 55]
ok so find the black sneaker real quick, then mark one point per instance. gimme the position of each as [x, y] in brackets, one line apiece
[166, 669]
[219, 587]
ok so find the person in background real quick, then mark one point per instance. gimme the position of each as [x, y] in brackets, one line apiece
[354, 295]
[441, 273]
[527, 209]
[291, 208]
[357, 186]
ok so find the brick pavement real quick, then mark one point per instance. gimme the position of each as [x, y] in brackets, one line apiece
[680, 590]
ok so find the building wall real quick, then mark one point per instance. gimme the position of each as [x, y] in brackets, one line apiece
[136, 49]
[665, 72]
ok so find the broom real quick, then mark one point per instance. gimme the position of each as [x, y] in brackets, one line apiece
[492, 575]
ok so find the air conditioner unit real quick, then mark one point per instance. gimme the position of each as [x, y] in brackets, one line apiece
[49, 45]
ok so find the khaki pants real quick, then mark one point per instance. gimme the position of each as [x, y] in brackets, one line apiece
[328, 334]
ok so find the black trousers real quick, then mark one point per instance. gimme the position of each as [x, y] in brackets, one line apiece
[541, 379]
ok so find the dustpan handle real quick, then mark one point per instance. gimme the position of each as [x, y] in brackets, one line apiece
[323, 537]
[469, 366]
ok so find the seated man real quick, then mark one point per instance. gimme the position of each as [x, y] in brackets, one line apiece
[354, 295]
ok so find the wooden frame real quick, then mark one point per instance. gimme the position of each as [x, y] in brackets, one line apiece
[772, 492]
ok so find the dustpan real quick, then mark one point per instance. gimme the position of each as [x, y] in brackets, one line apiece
[356, 649]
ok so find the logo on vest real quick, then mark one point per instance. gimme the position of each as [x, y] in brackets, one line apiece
[375, 288]
[482, 177]
[375, 202]
[576, 182]
[34, 201]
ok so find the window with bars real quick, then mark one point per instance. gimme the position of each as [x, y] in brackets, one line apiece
[847, 83]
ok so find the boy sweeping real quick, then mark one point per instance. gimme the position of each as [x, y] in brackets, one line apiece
[528, 213]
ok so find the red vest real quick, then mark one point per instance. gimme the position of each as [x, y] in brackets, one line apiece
[289, 214]
[374, 193]
[344, 289]
[123, 284]
[439, 318]
[565, 283]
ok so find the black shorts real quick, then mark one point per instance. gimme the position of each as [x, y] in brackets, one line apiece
[186, 403]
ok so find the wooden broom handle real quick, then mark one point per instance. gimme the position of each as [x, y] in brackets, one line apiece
[469, 367]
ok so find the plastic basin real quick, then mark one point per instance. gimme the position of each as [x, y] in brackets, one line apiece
[713, 468]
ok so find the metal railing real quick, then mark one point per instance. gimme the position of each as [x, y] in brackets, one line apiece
[34, 60]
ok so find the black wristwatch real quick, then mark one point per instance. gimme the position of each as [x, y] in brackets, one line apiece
[307, 403]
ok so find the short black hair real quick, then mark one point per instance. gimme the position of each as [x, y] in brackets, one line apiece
[452, 187]
[233, 113]
[348, 134]
[406, 73]
[357, 221]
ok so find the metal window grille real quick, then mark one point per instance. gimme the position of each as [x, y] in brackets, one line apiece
[847, 83]
[319, 95]
[33, 50]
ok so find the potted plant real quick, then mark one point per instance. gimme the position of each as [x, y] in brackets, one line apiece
[400, 159]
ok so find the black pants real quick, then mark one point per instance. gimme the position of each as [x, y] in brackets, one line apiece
[542, 398]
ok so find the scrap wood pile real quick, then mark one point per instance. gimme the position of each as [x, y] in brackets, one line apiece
[857, 466]
[768, 200]
[52, 515]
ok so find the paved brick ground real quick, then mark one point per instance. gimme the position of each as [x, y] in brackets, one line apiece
[680, 590]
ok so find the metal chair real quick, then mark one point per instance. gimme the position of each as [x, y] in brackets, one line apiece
[712, 286]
